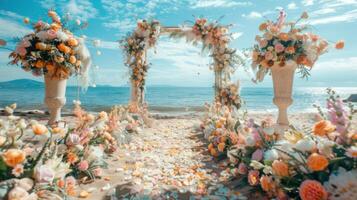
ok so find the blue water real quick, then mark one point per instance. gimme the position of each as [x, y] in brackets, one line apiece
[169, 98]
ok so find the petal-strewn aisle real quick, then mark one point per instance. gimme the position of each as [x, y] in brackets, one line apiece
[167, 160]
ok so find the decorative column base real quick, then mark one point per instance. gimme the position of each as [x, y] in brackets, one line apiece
[55, 97]
[283, 77]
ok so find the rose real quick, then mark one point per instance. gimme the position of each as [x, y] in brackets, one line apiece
[13, 157]
[279, 47]
[83, 165]
[271, 155]
[44, 174]
[51, 34]
[305, 144]
[269, 56]
[242, 168]
[253, 177]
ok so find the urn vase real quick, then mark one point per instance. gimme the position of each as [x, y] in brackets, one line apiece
[55, 97]
[283, 77]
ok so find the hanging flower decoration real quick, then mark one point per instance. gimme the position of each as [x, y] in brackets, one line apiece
[51, 49]
[135, 45]
[284, 42]
[229, 96]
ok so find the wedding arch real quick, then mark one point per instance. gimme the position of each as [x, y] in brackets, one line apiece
[214, 38]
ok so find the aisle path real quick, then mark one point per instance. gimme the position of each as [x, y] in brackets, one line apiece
[166, 161]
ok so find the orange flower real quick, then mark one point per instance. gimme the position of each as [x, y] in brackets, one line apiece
[26, 20]
[72, 59]
[317, 162]
[340, 44]
[13, 157]
[39, 129]
[41, 46]
[284, 36]
[280, 168]
[40, 64]
[210, 146]
[323, 128]
[61, 183]
[221, 147]
[223, 139]
[72, 158]
[219, 124]
[50, 67]
[265, 63]
[55, 26]
[62, 47]
[214, 152]
[52, 13]
[78, 63]
[267, 184]
[290, 50]
[72, 42]
[263, 26]
[312, 190]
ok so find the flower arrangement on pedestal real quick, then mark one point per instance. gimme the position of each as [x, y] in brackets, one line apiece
[135, 47]
[296, 164]
[53, 51]
[284, 42]
[283, 48]
[50, 49]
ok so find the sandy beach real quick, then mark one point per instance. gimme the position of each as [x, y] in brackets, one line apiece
[170, 158]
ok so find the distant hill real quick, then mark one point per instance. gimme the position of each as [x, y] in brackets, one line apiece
[21, 83]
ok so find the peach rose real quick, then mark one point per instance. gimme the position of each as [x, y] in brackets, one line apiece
[72, 42]
[267, 183]
[317, 162]
[83, 165]
[39, 129]
[13, 157]
[253, 177]
[280, 168]
[323, 128]
[263, 26]
[290, 50]
[312, 190]
[284, 36]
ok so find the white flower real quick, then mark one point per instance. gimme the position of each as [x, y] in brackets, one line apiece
[256, 165]
[59, 168]
[271, 155]
[96, 43]
[305, 144]
[44, 174]
[62, 36]
[94, 153]
[342, 185]
[285, 146]
[324, 146]
[22, 124]
[269, 130]
[9, 110]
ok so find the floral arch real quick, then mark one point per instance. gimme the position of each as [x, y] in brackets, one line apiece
[215, 40]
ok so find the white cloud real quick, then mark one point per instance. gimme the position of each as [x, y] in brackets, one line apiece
[218, 3]
[349, 16]
[81, 9]
[340, 64]
[292, 6]
[308, 2]
[322, 11]
[10, 28]
[253, 15]
[11, 14]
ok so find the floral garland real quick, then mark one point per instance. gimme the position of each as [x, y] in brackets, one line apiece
[278, 46]
[39, 161]
[296, 164]
[135, 45]
[51, 49]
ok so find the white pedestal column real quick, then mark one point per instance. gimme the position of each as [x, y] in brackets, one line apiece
[55, 97]
[283, 78]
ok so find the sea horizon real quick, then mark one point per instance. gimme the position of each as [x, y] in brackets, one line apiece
[163, 98]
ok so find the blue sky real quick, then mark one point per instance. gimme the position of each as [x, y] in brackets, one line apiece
[178, 63]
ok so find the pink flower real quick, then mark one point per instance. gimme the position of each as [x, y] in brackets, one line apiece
[21, 51]
[257, 155]
[279, 47]
[51, 34]
[83, 165]
[242, 168]
[44, 174]
[39, 24]
[263, 43]
[253, 177]
[269, 56]
[18, 170]
[70, 181]
[98, 172]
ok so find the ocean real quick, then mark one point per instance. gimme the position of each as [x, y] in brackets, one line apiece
[166, 99]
